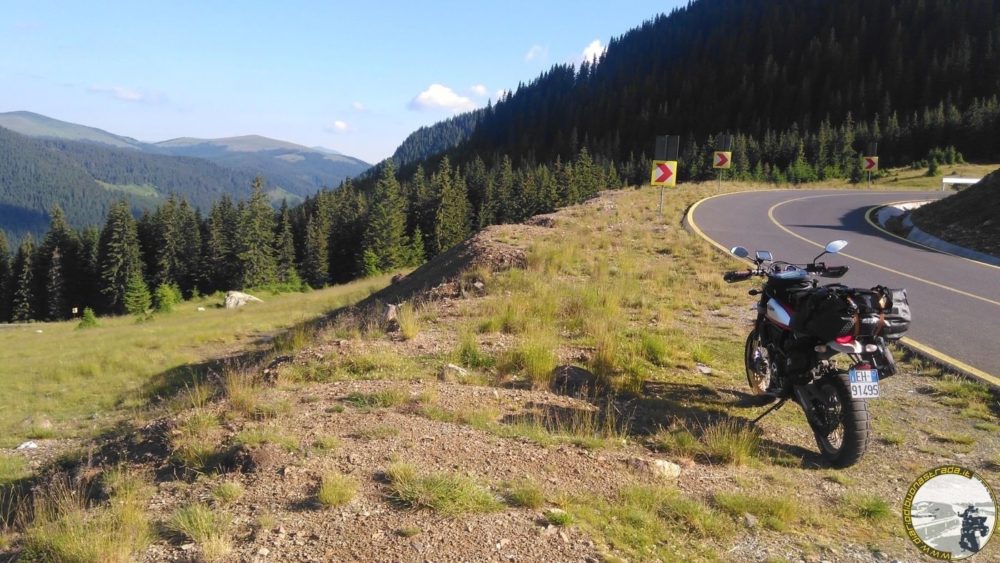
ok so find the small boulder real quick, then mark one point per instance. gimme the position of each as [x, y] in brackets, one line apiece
[703, 369]
[236, 299]
[397, 278]
[391, 317]
[453, 374]
[659, 468]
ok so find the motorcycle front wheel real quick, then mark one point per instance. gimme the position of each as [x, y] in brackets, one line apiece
[758, 364]
[840, 423]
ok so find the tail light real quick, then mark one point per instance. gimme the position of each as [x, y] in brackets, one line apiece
[844, 339]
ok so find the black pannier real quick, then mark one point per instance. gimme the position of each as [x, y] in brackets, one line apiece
[824, 314]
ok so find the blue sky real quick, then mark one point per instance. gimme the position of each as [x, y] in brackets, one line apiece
[354, 76]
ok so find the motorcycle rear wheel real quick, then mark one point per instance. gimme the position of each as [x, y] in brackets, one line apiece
[840, 423]
[757, 364]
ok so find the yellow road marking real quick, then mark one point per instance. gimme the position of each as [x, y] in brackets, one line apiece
[868, 218]
[770, 215]
[906, 341]
[941, 356]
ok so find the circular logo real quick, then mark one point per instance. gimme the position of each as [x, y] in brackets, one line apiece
[950, 512]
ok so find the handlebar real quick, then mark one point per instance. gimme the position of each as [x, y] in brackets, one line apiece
[732, 277]
[817, 268]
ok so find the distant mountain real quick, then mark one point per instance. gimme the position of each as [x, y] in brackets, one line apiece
[35, 125]
[295, 171]
[295, 168]
[84, 178]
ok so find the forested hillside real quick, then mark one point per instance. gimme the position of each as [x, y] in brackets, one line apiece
[435, 139]
[912, 74]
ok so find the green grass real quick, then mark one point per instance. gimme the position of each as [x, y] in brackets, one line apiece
[227, 493]
[652, 523]
[62, 528]
[533, 357]
[326, 443]
[469, 354]
[255, 436]
[207, 528]
[558, 517]
[12, 468]
[85, 381]
[677, 441]
[336, 489]
[448, 494]
[379, 399]
[869, 507]
[776, 513]
[525, 493]
[408, 317]
[731, 442]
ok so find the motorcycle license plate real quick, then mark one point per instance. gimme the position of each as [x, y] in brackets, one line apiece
[864, 383]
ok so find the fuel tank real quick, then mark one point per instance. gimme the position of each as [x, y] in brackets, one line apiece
[778, 313]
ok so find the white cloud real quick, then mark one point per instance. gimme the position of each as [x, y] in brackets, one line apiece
[479, 90]
[339, 127]
[594, 50]
[439, 96]
[536, 52]
[358, 106]
[129, 94]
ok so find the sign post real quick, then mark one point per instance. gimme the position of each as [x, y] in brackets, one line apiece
[870, 163]
[722, 158]
[665, 164]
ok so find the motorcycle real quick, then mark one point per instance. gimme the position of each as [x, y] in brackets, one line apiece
[801, 326]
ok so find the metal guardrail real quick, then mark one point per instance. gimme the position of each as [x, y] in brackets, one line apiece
[957, 180]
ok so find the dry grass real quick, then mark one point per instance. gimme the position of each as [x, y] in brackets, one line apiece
[336, 489]
[448, 494]
[408, 317]
[379, 399]
[60, 527]
[525, 493]
[207, 528]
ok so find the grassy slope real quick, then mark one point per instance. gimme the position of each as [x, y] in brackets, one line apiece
[638, 300]
[82, 380]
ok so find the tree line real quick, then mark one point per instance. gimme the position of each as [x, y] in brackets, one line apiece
[335, 236]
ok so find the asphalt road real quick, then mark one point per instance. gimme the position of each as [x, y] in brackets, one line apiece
[955, 302]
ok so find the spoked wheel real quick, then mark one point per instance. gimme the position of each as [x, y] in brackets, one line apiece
[840, 423]
[758, 364]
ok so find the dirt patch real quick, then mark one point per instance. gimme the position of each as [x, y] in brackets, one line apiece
[969, 218]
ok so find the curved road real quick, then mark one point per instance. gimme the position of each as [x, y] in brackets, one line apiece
[955, 301]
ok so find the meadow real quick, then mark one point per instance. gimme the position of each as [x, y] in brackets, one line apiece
[61, 381]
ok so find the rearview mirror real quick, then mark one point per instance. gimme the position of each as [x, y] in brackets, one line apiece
[740, 251]
[835, 246]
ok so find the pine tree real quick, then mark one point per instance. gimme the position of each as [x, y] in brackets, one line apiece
[5, 266]
[137, 298]
[255, 240]
[451, 225]
[118, 257]
[284, 245]
[55, 288]
[219, 247]
[54, 291]
[417, 253]
[22, 299]
[314, 259]
[385, 236]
